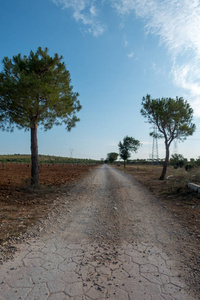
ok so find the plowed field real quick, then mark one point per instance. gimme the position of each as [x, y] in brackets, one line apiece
[20, 205]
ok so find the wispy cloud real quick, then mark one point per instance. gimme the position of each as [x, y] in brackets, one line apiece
[187, 76]
[125, 42]
[177, 23]
[156, 68]
[131, 54]
[85, 12]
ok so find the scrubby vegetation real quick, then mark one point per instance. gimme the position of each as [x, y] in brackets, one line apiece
[47, 159]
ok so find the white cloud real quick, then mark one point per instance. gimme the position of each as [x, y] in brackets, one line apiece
[85, 12]
[93, 10]
[121, 25]
[131, 54]
[125, 42]
[187, 76]
[177, 23]
[156, 68]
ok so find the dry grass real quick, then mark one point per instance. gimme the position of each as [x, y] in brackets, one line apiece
[176, 179]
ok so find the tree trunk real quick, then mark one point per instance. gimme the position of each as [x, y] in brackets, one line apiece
[34, 156]
[124, 164]
[164, 170]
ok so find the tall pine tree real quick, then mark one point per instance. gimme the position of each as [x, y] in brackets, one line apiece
[36, 91]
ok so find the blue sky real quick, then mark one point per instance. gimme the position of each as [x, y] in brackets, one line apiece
[116, 51]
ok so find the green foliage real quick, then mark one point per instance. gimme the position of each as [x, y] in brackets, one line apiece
[173, 118]
[192, 163]
[177, 160]
[47, 159]
[36, 90]
[189, 166]
[128, 145]
[111, 157]
[197, 162]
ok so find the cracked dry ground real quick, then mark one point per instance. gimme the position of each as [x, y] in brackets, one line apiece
[108, 239]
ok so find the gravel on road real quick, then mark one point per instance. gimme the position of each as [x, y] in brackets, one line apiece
[106, 239]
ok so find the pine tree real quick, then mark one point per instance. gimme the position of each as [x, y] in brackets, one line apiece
[36, 91]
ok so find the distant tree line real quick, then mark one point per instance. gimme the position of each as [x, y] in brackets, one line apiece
[47, 159]
[178, 161]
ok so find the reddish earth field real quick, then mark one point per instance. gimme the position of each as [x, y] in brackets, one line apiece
[21, 205]
[18, 175]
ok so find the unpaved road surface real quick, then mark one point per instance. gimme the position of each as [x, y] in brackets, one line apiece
[108, 239]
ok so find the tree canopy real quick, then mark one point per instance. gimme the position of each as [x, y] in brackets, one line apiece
[111, 157]
[36, 91]
[128, 145]
[173, 118]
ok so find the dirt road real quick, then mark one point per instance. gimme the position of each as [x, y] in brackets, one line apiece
[108, 239]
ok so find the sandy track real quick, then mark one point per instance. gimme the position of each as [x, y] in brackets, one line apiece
[108, 239]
